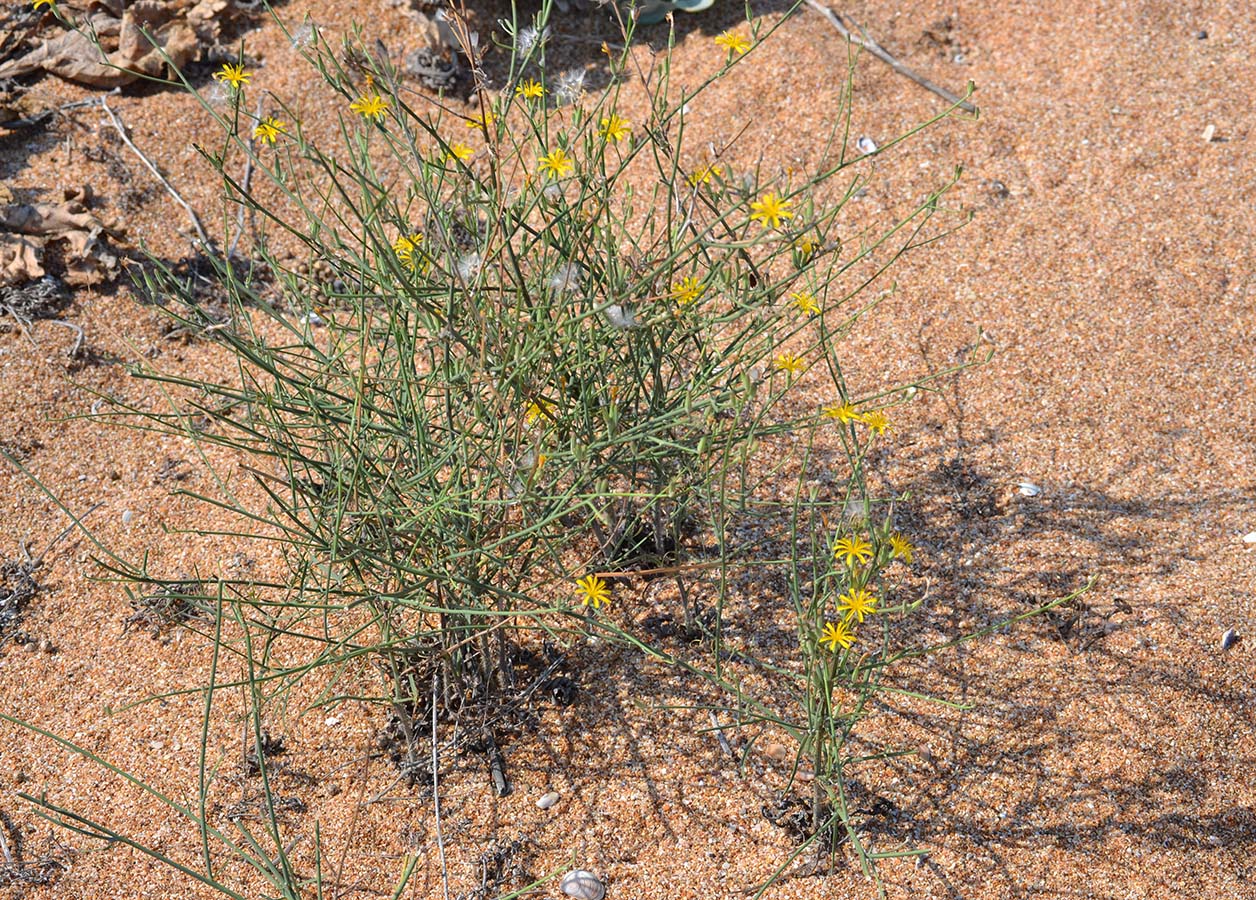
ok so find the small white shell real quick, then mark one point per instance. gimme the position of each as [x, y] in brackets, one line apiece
[866, 145]
[127, 517]
[1229, 639]
[582, 885]
[1028, 489]
[548, 800]
[1250, 538]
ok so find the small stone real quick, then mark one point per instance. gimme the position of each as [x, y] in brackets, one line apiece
[1229, 639]
[548, 800]
[311, 318]
[1250, 538]
[1209, 133]
[127, 517]
[583, 885]
[1201, 35]
[45, 646]
[1028, 489]
[866, 145]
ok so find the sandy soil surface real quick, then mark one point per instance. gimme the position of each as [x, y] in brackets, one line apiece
[1109, 264]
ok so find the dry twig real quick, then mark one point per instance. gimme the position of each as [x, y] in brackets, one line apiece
[867, 43]
[178, 198]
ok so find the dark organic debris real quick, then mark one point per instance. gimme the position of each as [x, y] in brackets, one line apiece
[41, 299]
[270, 748]
[17, 588]
[503, 868]
[173, 603]
[145, 39]
[432, 68]
[30, 231]
[15, 870]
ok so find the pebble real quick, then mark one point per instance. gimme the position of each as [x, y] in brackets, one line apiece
[1250, 538]
[583, 885]
[127, 517]
[1209, 133]
[866, 145]
[1229, 639]
[548, 800]
[1029, 489]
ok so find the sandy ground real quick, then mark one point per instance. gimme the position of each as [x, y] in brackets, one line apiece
[1109, 264]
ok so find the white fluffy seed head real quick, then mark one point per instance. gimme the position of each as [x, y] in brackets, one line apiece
[566, 278]
[621, 317]
[570, 86]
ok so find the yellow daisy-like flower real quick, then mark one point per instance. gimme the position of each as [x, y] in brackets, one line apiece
[876, 421]
[857, 603]
[705, 174]
[788, 362]
[769, 210]
[844, 413]
[234, 75]
[530, 89]
[370, 106]
[733, 42]
[484, 122]
[557, 164]
[268, 130]
[538, 409]
[806, 303]
[687, 290]
[406, 247]
[852, 550]
[838, 635]
[613, 128]
[594, 592]
[459, 150]
[901, 548]
[806, 246]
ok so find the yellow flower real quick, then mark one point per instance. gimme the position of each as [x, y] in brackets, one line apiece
[844, 413]
[788, 362]
[233, 75]
[557, 163]
[806, 246]
[733, 42]
[805, 302]
[614, 128]
[484, 122]
[769, 210]
[687, 290]
[852, 550]
[268, 130]
[857, 603]
[407, 250]
[538, 409]
[837, 635]
[530, 89]
[876, 421]
[705, 174]
[900, 548]
[594, 590]
[459, 150]
[370, 106]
